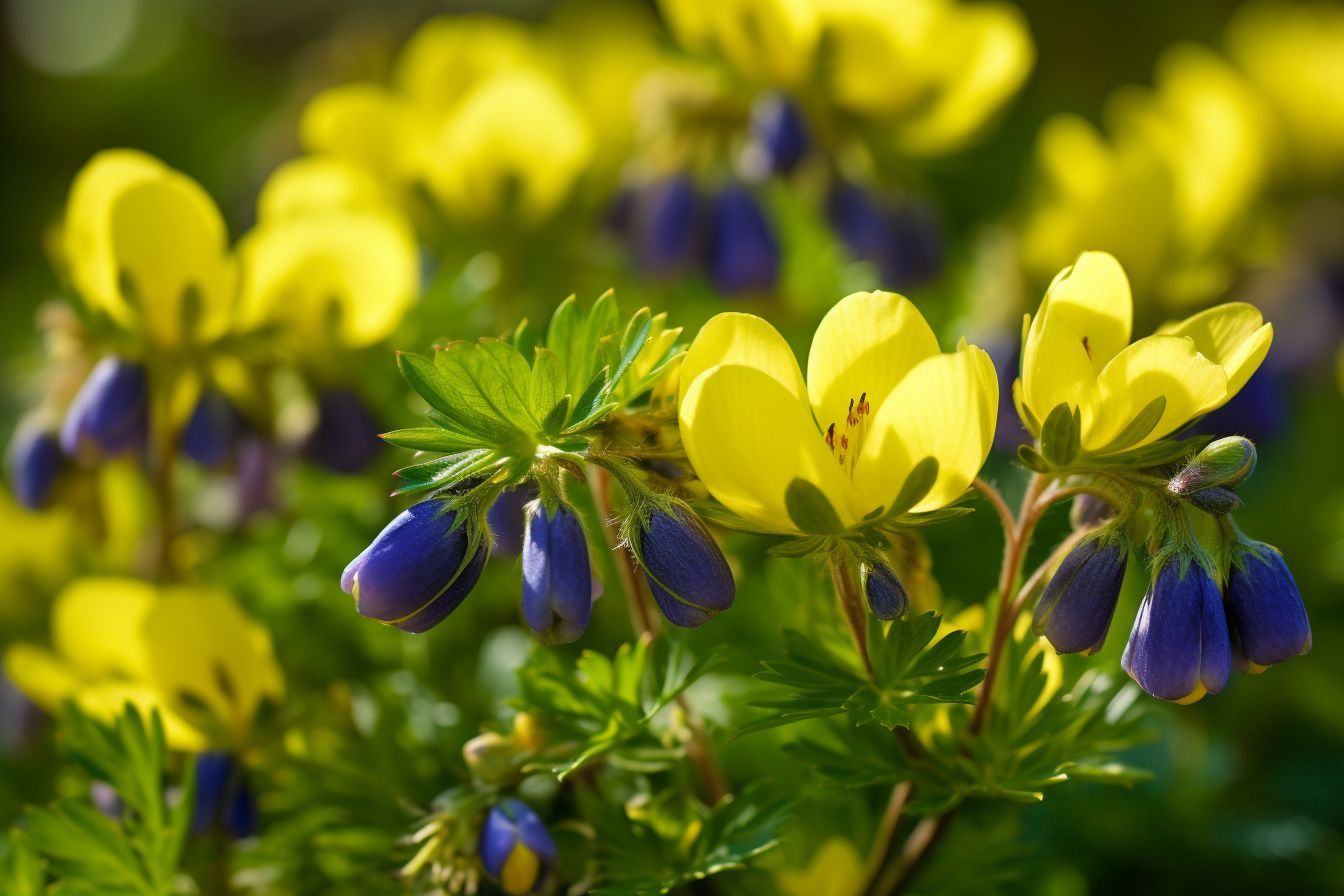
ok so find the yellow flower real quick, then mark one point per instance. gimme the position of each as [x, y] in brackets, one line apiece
[935, 70]
[330, 259]
[370, 125]
[1076, 351]
[1167, 193]
[188, 652]
[147, 246]
[836, 869]
[515, 147]
[879, 398]
[767, 40]
[1294, 54]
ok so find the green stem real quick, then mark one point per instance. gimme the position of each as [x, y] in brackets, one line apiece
[849, 595]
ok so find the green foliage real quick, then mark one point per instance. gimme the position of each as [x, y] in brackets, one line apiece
[909, 669]
[671, 844]
[136, 854]
[609, 708]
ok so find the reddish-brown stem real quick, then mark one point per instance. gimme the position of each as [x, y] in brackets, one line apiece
[849, 595]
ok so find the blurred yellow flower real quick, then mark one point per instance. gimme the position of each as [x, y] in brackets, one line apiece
[188, 652]
[1294, 54]
[1168, 192]
[1076, 352]
[767, 40]
[330, 260]
[147, 246]
[879, 398]
[836, 869]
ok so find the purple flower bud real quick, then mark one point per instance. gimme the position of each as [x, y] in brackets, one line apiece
[743, 254]
[224, 800]
[110, 413]
[686, 571]
[905, 241]
[212, 430]
[666, 226]
[516, 849]
[1089, 511]
[1265, 614]
[1179, 648]
[1076, 609]
[34, 462]
[887, 597]
[416, 571]
[345, 439]
[505, 517]
[557, 580]
[778, 129]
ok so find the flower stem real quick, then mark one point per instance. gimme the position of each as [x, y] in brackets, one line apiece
[850, 598]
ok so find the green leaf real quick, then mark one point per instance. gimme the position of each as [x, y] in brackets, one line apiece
[915, 487]
[636, 335]
[445, 472]
[546, 389]
[489, 378]
[430, 438]
[1061, 434]
[810, 510]
[1137, 429]
[1030, 458]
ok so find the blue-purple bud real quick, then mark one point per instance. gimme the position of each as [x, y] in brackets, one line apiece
[224, 800]
[346, 437]
[904, 241]
[516, 849]
[557, 580]
[887, 597]
[686, 571]
[1215, 500]
[212, 431]
[110, 413]
[34, 462]
[505, 517]
[1265, 614]
[743, 254]
[417, 570]
[1179, 648]
[1075, 611]
[667, 230]
[779, 132]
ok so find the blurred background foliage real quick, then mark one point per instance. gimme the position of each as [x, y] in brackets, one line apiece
[1248, 792]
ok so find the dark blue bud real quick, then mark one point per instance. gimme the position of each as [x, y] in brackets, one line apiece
[212, 431]
[686, 571]
[1075, 611]
[1179, 647]
[505, 517]
[224, 800]
[110, 413]
[779, 131]
[557, 580]
[743, 254]
[346, 437]
[516, 849]
[34, 462]
[904, 240]
[666, 226]
[1265, 614]
[416, 571]
[887, 597]
[1090, 511]
[1215, 500]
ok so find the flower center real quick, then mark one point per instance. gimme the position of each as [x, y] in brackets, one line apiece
[846, 441]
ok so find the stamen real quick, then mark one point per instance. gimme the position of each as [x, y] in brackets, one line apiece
[856, 425]
[1087, 348]
[830, 437]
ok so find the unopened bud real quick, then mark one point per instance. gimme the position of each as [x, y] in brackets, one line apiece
[1226, 463]
[1217, 501]
[490, 757]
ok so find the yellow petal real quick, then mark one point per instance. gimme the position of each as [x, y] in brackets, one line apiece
[748, 437]
[317, 184]
[451, 53]
[107, 699]
[370, 125]
[865, 344]
[768, 40]
[41, 675]
[945, 409]
[343, 276]
[1056, 369]
[515, 146]
[836, 869]
[96, 625]
[1231, 335]
[1093, 298]
[734, 338]
[1161, 365]
[988, 56]
[203, 652]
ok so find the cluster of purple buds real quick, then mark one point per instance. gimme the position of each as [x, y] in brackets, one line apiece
[345, 439]
[224, 800]
[684, 567]
[903, 239]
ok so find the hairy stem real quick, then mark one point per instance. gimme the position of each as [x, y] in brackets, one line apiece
[849, 595]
